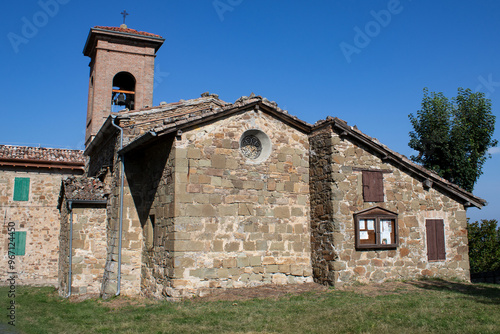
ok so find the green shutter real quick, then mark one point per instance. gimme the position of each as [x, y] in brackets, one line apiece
[19, 243]
[21, 188]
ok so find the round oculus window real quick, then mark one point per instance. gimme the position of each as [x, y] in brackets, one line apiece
[255, 146]
[251, 147]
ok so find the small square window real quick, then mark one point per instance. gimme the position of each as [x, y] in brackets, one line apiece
[21, 188]
[376, 228]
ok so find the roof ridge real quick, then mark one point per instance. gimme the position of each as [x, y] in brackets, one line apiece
[128, 31]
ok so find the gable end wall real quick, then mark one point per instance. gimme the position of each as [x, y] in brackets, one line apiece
[404, 195]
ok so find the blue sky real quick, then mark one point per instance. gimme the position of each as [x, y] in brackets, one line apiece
[365, 62]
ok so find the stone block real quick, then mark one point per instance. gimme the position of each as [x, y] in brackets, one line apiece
[189, 246]
[261, 245]
[222, 273]
[193, 153]
[272, 268]
[229, 263]
[193, 188]
[279, 279]
[199, 272]
[284, 268]
[255, 261]
[242, 261]
[230, 210]
[410, 221]
[297, 270]
[231, 163]
[282, 212]
[203, 179]
[184, 262]
[255, 277]
[218, 161]
[245, 209]
[248, 245]
[233, 246]
[277, 246]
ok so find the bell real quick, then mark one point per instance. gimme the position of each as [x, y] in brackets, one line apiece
[120, 99]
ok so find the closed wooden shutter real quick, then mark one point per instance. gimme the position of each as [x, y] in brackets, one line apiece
[435, 239]
[21, 188]
[19, 243]
[373, 186]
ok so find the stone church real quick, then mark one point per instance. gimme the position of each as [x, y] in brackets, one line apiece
[201, 194]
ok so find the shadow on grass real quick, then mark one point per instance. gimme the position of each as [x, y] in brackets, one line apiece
[483, 293]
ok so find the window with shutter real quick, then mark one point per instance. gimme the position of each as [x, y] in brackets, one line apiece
[435, 240]
[373, 186]
[21, 188]
[19, 243]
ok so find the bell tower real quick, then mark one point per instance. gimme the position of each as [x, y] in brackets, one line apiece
[121, 72]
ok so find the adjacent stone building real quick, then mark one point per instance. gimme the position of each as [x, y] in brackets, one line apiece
[190, 196]
[30, 180]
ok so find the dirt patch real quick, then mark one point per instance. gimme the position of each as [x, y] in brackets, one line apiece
[81, 298]
[385, 288]
[380, 289]
[270, 291]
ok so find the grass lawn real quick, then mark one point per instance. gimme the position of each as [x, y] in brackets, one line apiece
[394, 307]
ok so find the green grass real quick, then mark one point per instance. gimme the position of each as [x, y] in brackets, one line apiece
[416, 307]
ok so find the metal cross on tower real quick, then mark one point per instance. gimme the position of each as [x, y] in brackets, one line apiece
[124, 13]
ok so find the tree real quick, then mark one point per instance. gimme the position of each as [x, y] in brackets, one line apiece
[453, 137]
[484, 246]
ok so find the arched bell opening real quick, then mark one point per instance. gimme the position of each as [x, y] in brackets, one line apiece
[123, 93]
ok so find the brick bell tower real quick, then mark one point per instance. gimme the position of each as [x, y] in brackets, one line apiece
[121, 72]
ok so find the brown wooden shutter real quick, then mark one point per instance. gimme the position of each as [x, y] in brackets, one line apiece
[435, 239]
[373, 186]
[441, 252]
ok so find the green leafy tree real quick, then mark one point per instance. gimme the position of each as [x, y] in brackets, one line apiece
[484, 246]
[453, 137]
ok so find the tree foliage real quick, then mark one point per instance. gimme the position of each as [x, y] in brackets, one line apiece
[484, 246]
[453, 137]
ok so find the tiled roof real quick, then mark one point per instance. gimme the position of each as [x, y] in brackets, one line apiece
[41, 154]
[128, 31]
[399, 159]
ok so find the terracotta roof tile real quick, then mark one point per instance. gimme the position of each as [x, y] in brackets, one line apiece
[41, 154]
[128, 31]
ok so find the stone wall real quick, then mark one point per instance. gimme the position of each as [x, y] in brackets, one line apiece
[88, 248]
[38, 217]
[153, 198]
[240, 223]
[322, 212]
[131, 236]
[404, 195]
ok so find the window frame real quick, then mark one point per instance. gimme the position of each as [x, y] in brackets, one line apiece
[19, 243]
[373, 185]
[21, 189]
[435, 235]
[378, 215]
